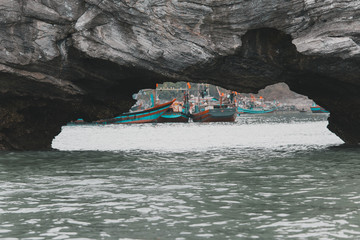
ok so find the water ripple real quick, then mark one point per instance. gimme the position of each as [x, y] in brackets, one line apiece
[298, 191]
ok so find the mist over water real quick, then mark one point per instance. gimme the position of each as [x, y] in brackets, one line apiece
[279, 176]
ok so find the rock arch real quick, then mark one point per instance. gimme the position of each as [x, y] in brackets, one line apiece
[85, 60]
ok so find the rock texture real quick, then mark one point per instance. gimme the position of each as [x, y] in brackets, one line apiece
[63, 59]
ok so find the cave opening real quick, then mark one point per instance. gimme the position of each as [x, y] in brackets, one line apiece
[276, 117]
[94, 88]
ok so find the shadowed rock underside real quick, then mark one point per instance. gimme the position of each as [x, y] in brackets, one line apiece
[65, 59]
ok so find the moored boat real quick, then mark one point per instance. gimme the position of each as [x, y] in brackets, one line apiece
[215, 115]
[171, 116]
[144, 116]
[255, 110]
[178, 112]
[256, 106]
[210, 109]
[317, 109]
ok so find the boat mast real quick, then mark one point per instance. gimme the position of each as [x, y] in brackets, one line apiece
[155, 93]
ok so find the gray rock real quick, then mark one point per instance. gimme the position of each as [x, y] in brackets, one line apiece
[84, 58]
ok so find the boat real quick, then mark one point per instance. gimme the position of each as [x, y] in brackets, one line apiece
[171, 116]
[210, 109]
[317, 109]
[255, 110]
[179, 110]
[176, 113]
[216, 114]
[143, 116]
[255, 106]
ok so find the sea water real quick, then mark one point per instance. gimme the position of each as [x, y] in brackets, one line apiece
[274, 176]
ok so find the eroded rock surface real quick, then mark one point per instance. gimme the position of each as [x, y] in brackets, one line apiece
[63, 59]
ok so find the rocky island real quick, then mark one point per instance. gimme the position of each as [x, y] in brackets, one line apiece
[64, 59]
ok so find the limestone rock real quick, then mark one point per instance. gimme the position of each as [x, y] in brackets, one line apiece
[64, 59]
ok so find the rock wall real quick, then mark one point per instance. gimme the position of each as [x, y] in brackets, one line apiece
[63, 59]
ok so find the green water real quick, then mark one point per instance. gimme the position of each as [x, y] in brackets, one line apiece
[254, 191]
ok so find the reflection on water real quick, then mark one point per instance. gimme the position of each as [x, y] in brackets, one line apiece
[241, 190]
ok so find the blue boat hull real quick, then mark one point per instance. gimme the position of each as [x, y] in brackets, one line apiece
[215, 115]
[173, 117]
[144, 116]
[254, 111]
[318, 110]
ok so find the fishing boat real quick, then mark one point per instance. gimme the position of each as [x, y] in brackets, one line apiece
[179, 110]
[255, 110]
[255, 106]
[144, 116]
[176, 113]
[317, 109]
[210, 109]
[215, 114]
[171, 116]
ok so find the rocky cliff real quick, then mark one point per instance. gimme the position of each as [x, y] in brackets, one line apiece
[63, 59]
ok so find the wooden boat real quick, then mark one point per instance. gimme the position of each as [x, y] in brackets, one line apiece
[256, 106]
[210, 109]
[178, 112]
[171, 116]
[317, 109]
[144, 116]
[215, 115]
[255, 110]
